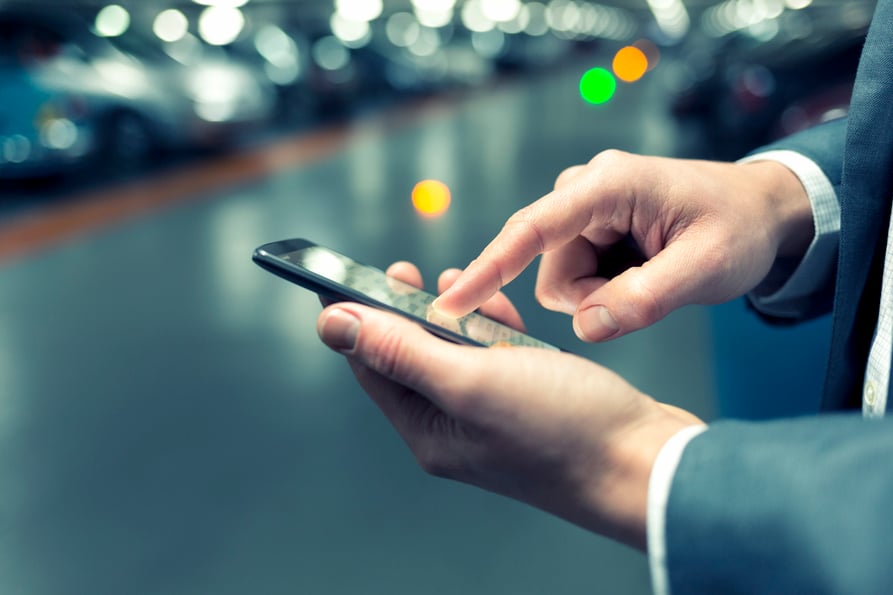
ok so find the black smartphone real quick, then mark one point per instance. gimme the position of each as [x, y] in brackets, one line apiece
[339, 278]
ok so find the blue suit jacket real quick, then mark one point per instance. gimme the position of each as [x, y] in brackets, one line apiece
[804, 505]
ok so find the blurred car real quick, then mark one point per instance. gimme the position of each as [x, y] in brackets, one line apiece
[753, 93]
[214, 97]
[46, 119]
[70, 98]
[816, 108]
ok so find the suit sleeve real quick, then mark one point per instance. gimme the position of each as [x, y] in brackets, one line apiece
[822, 144]
[791, 506]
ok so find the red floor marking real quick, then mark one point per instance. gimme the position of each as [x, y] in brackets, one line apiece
[92, 210]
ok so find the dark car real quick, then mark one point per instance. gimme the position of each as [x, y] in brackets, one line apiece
[756, 92]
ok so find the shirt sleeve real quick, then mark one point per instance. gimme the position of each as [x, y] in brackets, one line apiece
[658, 495]
[817, 268]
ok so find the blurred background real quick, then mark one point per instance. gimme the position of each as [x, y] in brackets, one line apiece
[169, 422]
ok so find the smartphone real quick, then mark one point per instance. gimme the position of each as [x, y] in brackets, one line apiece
[339, 278]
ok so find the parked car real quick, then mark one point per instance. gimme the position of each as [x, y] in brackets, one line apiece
[215, 96]
[752, 93]
[70, 98]
[47, 121]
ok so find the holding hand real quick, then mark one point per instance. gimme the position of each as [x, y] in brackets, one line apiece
[708, 232]
[550, 429]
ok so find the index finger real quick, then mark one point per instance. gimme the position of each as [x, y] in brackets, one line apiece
[538, 227]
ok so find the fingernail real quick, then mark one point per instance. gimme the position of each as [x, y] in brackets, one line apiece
[339, 330]
[595, 324]
[437, 304]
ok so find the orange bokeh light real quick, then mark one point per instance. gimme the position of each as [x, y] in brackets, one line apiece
[431, 198]
[630, 64]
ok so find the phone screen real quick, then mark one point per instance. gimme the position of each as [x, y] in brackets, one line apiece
[336, 276]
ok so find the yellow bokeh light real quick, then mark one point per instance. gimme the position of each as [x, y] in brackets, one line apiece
[431, 198]
[630, 64]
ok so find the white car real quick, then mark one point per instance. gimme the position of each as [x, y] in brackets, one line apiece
[69, 97]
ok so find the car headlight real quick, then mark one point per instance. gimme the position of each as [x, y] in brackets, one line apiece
[16, 149]
[60, 134]
[57, 128]
[218, 92]
[215, 95]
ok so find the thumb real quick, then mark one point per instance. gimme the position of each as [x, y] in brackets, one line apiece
[395, 349]
[640, 296]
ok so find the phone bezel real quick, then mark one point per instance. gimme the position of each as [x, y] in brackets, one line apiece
[268, 257]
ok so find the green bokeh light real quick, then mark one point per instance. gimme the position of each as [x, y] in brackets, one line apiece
[597, 86]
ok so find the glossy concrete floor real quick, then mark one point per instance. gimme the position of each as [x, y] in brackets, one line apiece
[170, 424]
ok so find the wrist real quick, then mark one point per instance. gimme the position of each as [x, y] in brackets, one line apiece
[620, 496]
[788, 207]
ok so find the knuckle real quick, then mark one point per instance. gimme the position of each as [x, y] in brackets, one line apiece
[390, 357]
[526, 221]
[648, 307]
[608, 158]
[565, 176]
[718, 268]
[543, 293]
[434, 463]
[714, 260]
[548, 295]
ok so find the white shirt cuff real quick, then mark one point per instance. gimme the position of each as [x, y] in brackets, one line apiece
[818, 263]
[658, 496]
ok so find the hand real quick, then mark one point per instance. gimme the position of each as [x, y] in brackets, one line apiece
[546, 428]
[708, 232]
